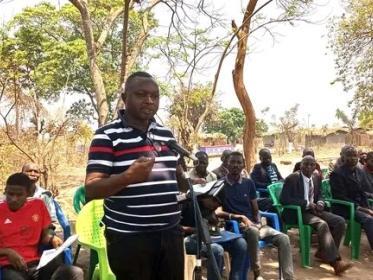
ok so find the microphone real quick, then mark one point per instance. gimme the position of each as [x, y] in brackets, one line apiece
[175, 147]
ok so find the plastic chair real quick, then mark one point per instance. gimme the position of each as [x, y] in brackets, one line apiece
[325, 172]
[65, 224]
[79, 199]
[234, 227]
[91, 235]
[353, 232]
[304, 230]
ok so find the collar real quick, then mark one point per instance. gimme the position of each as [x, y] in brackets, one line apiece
[305, 178]
[123, 118]
[231, 182]
[367, 169]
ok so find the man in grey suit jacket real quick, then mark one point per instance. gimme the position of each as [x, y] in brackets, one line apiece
[302, 188]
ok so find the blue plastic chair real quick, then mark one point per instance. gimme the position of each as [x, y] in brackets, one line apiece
[234, 226]
[65, 224]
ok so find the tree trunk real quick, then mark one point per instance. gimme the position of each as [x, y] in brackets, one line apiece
[98, 83]
[239, 86]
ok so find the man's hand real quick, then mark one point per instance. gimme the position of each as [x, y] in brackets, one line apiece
[246, 221]
[16, 260]
[201, 181]
[56, 241]
[139, 170]
[319, 207]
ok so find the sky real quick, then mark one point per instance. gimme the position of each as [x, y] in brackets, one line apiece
[296, 68]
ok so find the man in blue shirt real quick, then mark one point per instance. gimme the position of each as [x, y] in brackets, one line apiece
[265, 172]
[239, 202]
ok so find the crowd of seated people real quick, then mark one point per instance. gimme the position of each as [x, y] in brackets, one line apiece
[351, 179]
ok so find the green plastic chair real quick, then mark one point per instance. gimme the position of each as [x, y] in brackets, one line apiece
[325, 172]
[79, 199]
[91, 235]
[353, 232]
[370, 201]
[305, 231]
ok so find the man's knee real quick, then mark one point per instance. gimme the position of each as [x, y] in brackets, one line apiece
[217, 250]
[283, 240]
[322, 225]
[68, 272]
[340, 223]
[252, 233]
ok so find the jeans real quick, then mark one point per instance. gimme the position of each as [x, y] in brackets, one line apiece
[237, 249]
[157, 255]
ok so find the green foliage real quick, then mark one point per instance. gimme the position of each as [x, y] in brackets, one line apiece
[44, 49]
[351, 41]
[260, 127]
[230, 122]
[350, 122]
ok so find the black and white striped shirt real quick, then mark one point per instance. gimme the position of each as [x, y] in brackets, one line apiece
[146, 206]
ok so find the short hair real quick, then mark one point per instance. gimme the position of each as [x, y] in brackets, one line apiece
[370, 154]
[308, 152]
[28, 164]
[264, 151]
[19, 179]
[346, 149]
[134, 76]
[306, 157]
[236, 153]
[201, 154]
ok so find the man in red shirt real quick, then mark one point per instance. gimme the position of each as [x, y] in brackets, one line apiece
[24, 225]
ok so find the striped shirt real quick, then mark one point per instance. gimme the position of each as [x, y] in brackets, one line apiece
[146, 206]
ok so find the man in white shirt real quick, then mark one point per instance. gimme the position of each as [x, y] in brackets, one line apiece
[32, 170]
[302, 188]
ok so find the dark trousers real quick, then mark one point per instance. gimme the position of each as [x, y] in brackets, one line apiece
[330, 229]
[147, 256]
[366, 222]
[52, 271]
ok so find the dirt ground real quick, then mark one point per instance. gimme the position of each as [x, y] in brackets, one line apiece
[362, 269]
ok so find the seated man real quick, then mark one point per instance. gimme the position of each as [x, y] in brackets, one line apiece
[368, 175]
[236, 247]
[302, 188]
[24, 225]
[239, 202]
[308, 152]
[222, 170]
[265, 172]
[199, 174]
[347, 183]
[32, 170]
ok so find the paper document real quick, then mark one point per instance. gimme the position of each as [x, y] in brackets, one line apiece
[49, 255]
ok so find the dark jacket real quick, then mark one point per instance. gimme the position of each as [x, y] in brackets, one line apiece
[348, 185]
[260, 176]
[293, 194]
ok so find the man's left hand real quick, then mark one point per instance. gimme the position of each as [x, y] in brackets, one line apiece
[56, 241]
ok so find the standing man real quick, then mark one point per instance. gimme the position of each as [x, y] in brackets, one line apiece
[222, 170]
[265, 172]
[302, 188]
[239, 202]
[347, 183]
[32, 170]
[134, 171]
